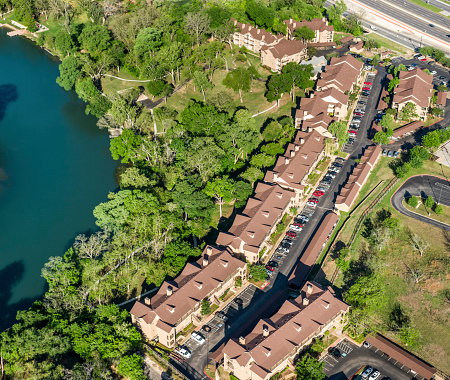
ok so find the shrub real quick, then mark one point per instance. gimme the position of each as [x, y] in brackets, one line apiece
[238, 282]
[438, 209]
[206, 307]
[429, 202]
[258, 272]
[412, 201]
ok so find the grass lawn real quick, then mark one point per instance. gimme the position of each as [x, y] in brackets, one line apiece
[430, 7]
[388, 44]
[112, 85]
[422, 302]
[422, 210]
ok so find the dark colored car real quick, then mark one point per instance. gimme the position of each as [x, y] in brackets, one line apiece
[336, 353]
[238, 301]
[362, 102]
[206, 328]
[365, 93]
[273, 264]
[442, 77]
[337, 164]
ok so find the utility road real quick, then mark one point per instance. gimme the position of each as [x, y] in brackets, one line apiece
[423, 186]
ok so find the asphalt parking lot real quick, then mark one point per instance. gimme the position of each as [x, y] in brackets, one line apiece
[356, 357]
[366, 119]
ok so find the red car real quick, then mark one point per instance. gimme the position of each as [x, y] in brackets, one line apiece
[318, 193]
[423, 59]
[366, 88]
[270, 268]
[291, 234]
[353, 132]
[297, 225]
[368, 83]
[357, 114]
[313, 200]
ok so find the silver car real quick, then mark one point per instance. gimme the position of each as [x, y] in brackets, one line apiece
[367, 372]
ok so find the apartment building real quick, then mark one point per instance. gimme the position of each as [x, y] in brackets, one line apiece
[330, 102]
[416, 86]
[254, 39]
[323, 31]
[342, 73]
[357, 178]
[252, 229]
[276, 342]
[280, 54]
[178, 302]
[299, 160]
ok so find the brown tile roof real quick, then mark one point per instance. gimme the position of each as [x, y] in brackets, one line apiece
[313, 249]
[261, 212]
[357, 47]
[415, 86]
[358, 176]
[342, 72]
[291, 168]
[322, 44]
[285, 48]
[319, 101]
[320, 24]
[402, 356]
[288, 328]
[256, 33]
[346, 39]
[441, 98]
[194, 284]
[399, 132]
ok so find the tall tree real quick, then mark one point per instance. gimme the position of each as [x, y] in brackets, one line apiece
[309, 368]
[197, 24]
[238, 80]
[221, 189]
[304, 33]
[200, 80]
[298, 76]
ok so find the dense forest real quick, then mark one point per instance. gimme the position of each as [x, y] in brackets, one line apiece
[209, 153]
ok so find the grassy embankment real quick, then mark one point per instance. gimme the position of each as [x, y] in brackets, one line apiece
[430, 7]
[424, 302]
[388, 44]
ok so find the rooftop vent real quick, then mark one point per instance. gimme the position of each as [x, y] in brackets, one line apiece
[242, 340]
[265, 331]
[169, 291]
[309, 289]
[305, 301]
[147, 300]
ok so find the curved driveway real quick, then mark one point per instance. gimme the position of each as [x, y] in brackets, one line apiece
[423, 186]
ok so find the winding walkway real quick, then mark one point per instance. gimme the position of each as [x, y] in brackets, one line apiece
[423, 186]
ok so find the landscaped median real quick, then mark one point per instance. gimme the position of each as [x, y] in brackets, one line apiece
[432, 213]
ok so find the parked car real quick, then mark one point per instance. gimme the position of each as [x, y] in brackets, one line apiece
[331, 174]
[269, 268]
[414, 65]
[359, 110]
[183, 351]
[358, 114]
[273, 264]
[374, 375]
[352, 132]
[368, 67]
[366, 372]
[442, 77]
[368, 83]
[423, 59]
[288, 242]
[313, 200]
[434, 72]
[384, 152]
[312, 205]
[295, 228]
[318, 193]
[337, 164]
[362, 102]
[198, 337]
[366, 344]
[238, 301]
[291, 234]
[304, 217]
[373, 27]
[389, 153]
[269, 273]
[335, 170]
[206, 328]
[420, 56]
[221, 315]
[335, 352]
[365, 93]
[395, 155]
[411, 68]
[339, 159]
[356, 119]
[366, 88]
[354, 126]
[351, 141]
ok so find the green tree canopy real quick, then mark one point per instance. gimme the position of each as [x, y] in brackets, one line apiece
[95, 38]
[238, 80]
[381, 138]
[69, 72]
[339, 130]
[304, 33]
[257, 272]
[148, 41]
[130, 366]
[309, 368]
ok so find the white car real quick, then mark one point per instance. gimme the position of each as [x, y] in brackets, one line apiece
[374, 375]
[183, 351]
[433, 72]
[367, 372]
[367, 67]
[295, 228]
[197, 337]
[411, 68]
[373, 27]
[312, 205]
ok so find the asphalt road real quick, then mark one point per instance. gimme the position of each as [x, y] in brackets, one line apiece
[408, 19]
[423, 186]
[440, 4]
[357, 357]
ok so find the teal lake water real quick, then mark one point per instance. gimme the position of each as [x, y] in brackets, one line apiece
[55, 167]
